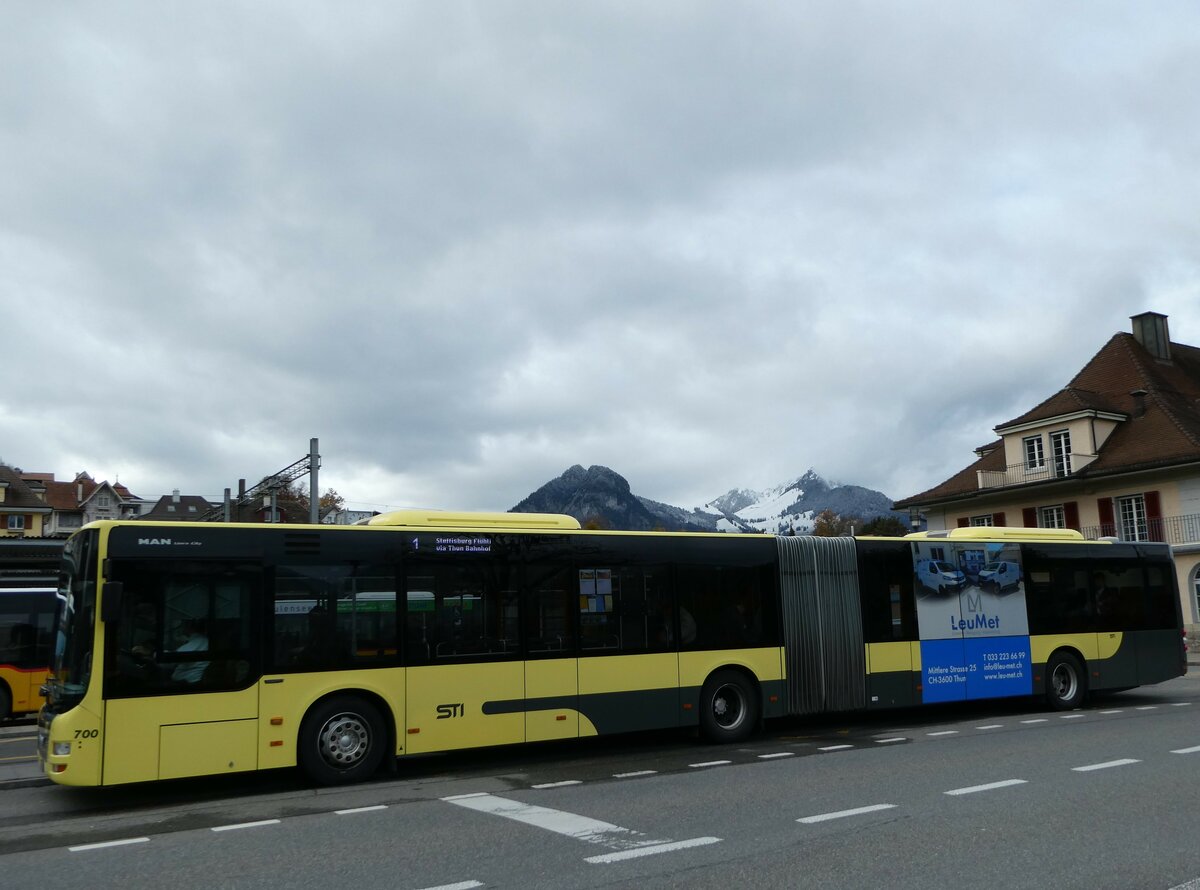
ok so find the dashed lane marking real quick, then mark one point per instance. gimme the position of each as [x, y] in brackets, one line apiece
[1106, 765]
[242, 825]
[844, 814]
[990, 786]
[121, 843]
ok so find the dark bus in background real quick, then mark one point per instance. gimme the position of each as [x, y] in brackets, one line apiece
[28, 606]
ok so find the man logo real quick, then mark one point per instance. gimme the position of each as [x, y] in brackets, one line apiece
[152, 541]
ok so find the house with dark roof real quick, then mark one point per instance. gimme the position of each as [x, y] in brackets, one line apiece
[1115, 453]
[176, 507]
[23, 511]
[76, 503]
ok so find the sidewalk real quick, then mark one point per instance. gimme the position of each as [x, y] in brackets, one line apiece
[18, 754]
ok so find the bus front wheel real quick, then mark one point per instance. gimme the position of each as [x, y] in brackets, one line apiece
[728, 707]
[1066, 682]
[342, 740]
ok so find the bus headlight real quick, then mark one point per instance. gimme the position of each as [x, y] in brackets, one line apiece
[62, 749]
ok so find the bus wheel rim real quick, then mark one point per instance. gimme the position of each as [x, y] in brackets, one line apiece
[1064, 681]
[344, 740]
[728, 708]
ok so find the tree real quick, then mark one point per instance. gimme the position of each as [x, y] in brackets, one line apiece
[294, 504]
[832, 525]
[885, 526]
[596, 522]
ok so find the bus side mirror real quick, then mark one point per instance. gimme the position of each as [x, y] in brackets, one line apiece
[110, 607]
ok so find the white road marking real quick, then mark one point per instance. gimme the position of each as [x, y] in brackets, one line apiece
[1114, 711]
[889, 741]
[1038, 720]
[991, 726]
[1070, 716]
[710, 763]
[245, 825]
[835, 748]
[100, 846]
[1187, 750]
[1107, 765]
[1180, 704]
[1193, 884]
[621, 856]
[1146, 708]
[640, 772]
[990, 786]
[626, 842]
[559, 784]
[780, 754]
[351, 812]
[842, 814]
[933, 735]
[461, 885]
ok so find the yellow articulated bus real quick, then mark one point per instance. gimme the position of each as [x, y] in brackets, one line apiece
[196, 649]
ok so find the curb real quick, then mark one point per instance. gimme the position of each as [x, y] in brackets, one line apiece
[30, 782]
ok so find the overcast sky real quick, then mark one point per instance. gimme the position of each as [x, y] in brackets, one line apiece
[467, 245]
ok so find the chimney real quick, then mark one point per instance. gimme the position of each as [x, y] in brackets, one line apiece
[1139, 402]
[175, 496]
[1150, 329]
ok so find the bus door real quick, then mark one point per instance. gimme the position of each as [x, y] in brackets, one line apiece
[551, 607]
[629, 637]
[179, 671]
[465, 683]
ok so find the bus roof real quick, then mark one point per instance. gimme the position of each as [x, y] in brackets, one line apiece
[447, 519]
[993, 533]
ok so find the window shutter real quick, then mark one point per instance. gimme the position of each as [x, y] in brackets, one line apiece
[1107, 523]
[998, 519]
[1071, 514]
[1154, 519]
[1029, 517]
[963, 521]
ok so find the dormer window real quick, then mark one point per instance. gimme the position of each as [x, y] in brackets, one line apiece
[1035, 458]
[1061, 444]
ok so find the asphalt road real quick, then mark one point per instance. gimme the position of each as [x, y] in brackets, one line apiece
[996, 795]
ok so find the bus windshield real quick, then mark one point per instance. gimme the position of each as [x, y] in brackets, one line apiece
[76, 621]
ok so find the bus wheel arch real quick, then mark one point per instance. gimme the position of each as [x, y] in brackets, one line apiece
[1066, 679]
[344, 737]
[730, 705]
[5, 701]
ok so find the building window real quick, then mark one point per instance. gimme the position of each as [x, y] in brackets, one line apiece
[16, 523]
[1052, 517]
[102, 500]
[1061, 443]
[1034, 458]
[1132, 514]
[982, 520]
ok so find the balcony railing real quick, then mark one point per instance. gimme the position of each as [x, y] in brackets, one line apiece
[1019, 474]
[1169, 529]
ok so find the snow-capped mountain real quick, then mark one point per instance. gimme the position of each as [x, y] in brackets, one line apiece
[600, 496]
[794, 505]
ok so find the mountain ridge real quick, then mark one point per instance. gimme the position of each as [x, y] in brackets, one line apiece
[600, 496]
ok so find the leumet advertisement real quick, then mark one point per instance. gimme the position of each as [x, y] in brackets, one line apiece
[972, 621]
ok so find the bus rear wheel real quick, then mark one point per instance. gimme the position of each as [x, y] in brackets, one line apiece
[342, 740]
[728, 707]
[1066, 682]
